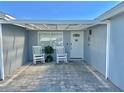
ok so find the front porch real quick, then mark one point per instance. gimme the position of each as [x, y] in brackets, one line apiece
[74, 76]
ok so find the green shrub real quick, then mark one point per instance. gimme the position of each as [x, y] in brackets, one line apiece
[48, 52]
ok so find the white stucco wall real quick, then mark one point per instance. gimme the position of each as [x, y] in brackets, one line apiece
[32, 42]
[116, 63]
[95, 49]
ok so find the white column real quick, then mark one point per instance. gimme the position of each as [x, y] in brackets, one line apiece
[1, 55]
[108, 48]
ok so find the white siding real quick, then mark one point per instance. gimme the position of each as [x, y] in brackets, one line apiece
[15, 46]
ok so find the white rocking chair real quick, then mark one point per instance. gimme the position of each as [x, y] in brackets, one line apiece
[60, 54]
[37, 54]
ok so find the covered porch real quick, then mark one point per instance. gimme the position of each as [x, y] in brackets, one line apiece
[19, 37]
[81, 40]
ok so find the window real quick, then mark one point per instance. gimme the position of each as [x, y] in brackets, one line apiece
[76, 35]
[50, 38]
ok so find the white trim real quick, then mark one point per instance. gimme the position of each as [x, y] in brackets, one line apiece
[56, 27]
[89, 22]
[6, 17]
[108, 48]
[38, 38]
[67, 27]
[119, 8]
[1, 55]
[45, 26]
[35, 26]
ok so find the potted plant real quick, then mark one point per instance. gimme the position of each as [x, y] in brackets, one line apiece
[48, 52]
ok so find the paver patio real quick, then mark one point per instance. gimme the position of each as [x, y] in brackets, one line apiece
[74, 76]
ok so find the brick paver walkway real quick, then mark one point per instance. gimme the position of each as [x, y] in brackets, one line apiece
[50, 77]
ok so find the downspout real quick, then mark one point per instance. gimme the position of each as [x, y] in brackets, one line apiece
[1, 55]
[108, 48]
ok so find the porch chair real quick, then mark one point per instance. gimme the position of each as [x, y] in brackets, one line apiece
[38, 55]
[60, 54]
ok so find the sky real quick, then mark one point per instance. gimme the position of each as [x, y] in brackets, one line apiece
[56, 10]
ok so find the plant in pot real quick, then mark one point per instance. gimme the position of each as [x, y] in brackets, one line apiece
[48, 52]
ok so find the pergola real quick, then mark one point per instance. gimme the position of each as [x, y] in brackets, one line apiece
[58, 25]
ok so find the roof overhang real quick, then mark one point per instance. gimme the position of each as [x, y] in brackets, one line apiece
[112, 12]
[4, 16]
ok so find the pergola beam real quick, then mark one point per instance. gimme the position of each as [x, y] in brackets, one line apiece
[67, 27]
[50, 22]
[45, 26]
[57, 27]
[37, 27]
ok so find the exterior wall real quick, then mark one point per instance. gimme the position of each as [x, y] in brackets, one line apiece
[15, 47]
[67, 37]
[32, 42]
[95, 48]
[116, 62]
[33, 38]
[86, 47]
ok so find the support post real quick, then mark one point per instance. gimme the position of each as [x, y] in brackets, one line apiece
[1, 55]
[108, 48]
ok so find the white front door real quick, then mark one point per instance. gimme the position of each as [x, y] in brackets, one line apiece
[77, 47]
